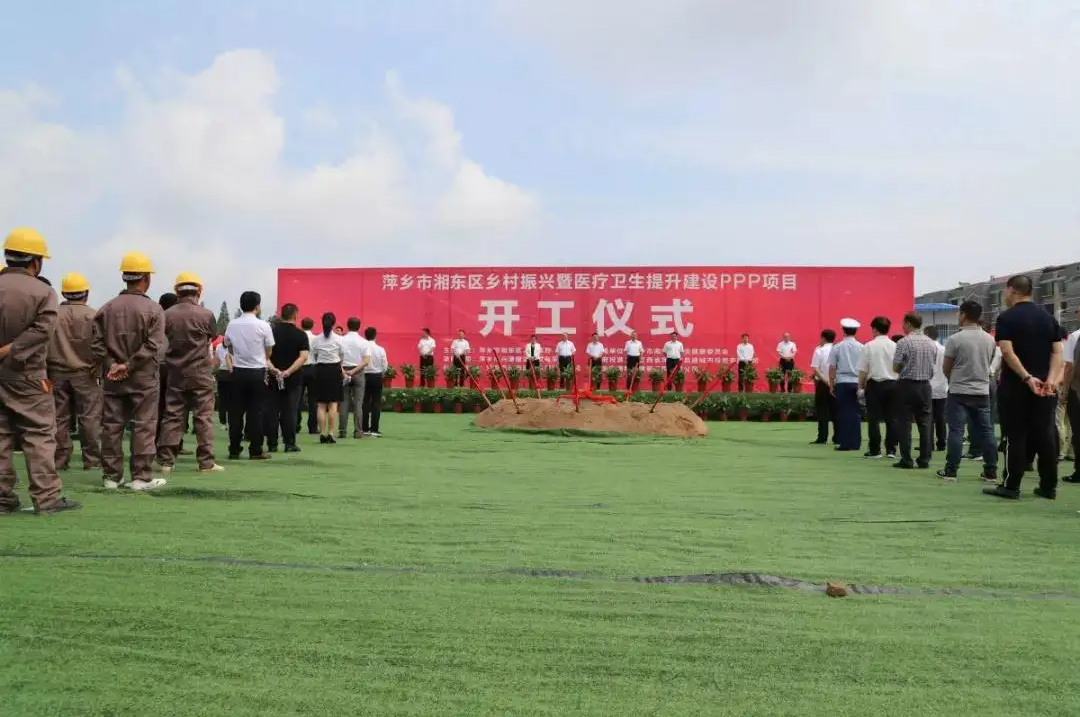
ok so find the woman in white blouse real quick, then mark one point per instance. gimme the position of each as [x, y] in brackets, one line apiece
[328, 348]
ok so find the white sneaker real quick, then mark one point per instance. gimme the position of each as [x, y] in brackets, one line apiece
[145, 485]
[110, 484]
[212, 469]
[375, 434]
[890, 456]
[369, 434]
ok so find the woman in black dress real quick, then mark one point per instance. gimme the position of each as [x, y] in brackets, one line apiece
[329, 378]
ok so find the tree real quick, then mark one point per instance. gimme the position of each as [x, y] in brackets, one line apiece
[222, 318]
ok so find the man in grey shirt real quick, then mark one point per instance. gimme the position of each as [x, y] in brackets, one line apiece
[916, 355]
[968, 355]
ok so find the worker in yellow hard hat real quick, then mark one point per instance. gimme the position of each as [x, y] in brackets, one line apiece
[74, 374]
[129, 332]
[190, 382]
[28, 307]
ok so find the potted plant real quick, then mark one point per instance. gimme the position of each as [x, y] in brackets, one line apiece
[474, 372]
[727, 377]
[597, 377]
[633, 379]
[702, 376]
[567, 377]
[389, 375]
[721, 406]
[741, 408]
[514, 375]
[774, 377]
[408, 372]
[495, 375]
[782, 407]
[795, 380]
[749, 375]
[458, 397]
[613, 373]
[451, 374]
[551, 377]
[678, 380]
[427, 376]
[656, 378]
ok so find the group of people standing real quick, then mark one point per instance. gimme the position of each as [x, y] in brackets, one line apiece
[961, 386]
[148, 367]
[265, 372]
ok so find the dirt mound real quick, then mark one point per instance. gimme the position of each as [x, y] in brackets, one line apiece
[669, 419]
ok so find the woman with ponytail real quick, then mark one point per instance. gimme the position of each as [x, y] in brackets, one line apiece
[326, 348]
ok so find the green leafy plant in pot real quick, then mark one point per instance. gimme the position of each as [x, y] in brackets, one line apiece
[613, 373]
[408, 373]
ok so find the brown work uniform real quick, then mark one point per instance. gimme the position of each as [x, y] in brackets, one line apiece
[129, 329]
[189, 328]
[75, 378]
[27, 320]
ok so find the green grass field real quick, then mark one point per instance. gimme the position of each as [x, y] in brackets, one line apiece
[379, 577]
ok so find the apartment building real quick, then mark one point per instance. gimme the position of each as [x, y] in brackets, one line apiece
[1057, 288]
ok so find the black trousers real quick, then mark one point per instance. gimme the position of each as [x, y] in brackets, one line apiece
[633, 363]
[280, 411]
[596, 362]
[246, 410]
[940, 432]
[307, 400]
[1029, 428]
[743, 385]
[461, 363]
[1072, 411]
[224, 391]
[669, 365]
[426, 361]
[881, 406]
[371, 408]
[824, 411]
[914, 401]
[787, 366]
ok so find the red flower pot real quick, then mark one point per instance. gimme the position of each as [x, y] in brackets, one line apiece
[480, 407]
[656, 385]
[722, 416]
[458, 408]
[436, 408]
[408, 382]
[764, 418]
[702, 386]
[773, 387]
[797, 388]
[743, 414]
[494, 382]
[727, 386]
[514, 383]
[417, 408]
[398, 408]
[678, 387]
[388, 382]
[783, 417]
[551, 384]
[613, 384]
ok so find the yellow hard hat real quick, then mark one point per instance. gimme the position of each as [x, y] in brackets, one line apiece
[136, 262]
[25, 240]
[189, 278]
[74, 283]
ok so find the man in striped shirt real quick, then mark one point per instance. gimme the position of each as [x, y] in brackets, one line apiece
[916, 356]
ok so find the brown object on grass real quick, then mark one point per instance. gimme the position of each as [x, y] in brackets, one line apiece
[836, 589]
[669, 419]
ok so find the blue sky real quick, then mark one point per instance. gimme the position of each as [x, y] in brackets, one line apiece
[230, 137]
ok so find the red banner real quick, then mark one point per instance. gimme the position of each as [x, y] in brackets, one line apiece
[709, 307]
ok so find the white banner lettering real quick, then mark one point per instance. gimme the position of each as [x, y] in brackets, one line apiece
[670, 318]
[555, 325]
[618, 312]
[496, 312]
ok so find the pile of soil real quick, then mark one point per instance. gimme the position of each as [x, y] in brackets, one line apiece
[669, 419]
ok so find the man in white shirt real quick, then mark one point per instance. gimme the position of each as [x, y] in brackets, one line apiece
[595, 350]
[633, 351]
[426, 347]
[459, 349]
[824, 401]
[307, 390]
[673, 353]
[785, 351]
[249, 340]
[744, 353]
[878, 382]
[375, 363]
[353, 362]
[564, 352]
[939, 391]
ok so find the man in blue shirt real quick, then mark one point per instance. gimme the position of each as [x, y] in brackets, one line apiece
[844, 379]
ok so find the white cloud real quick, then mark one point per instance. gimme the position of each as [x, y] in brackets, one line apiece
[933, 132]
[196, 176]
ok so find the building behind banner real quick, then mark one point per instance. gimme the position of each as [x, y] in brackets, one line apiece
[499, 307]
